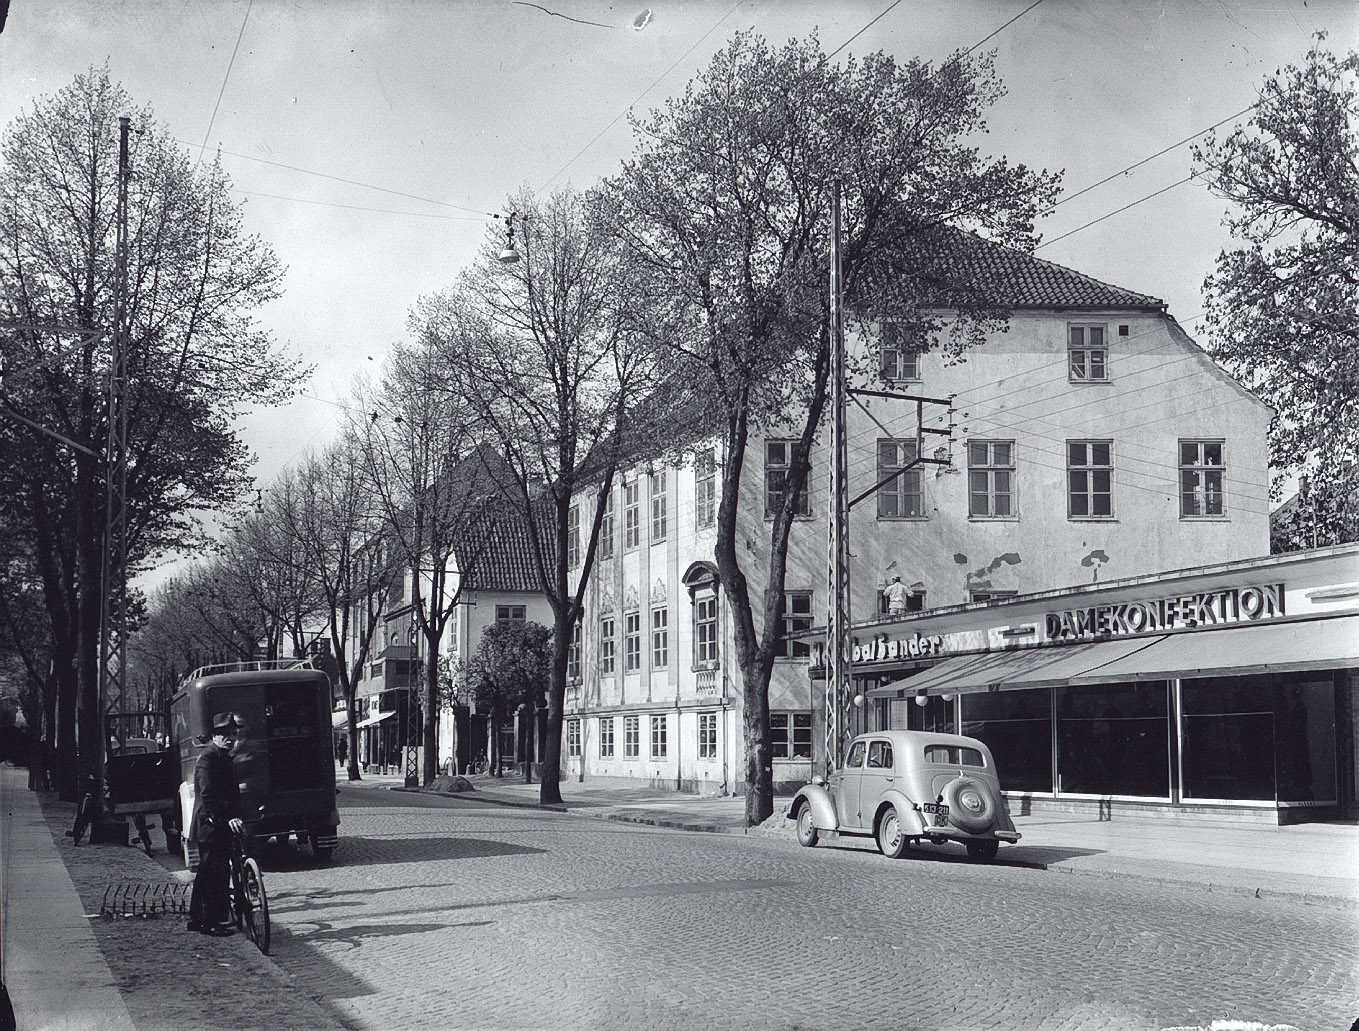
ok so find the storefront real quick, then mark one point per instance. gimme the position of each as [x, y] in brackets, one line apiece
[1227, 690]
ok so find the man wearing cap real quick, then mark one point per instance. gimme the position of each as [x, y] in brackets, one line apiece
[216, 814]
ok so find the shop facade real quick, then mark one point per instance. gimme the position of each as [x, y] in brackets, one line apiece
[1227, 690]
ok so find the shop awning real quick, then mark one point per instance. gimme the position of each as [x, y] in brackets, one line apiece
[1240, 651]
[377, 717]
[339, 719]
[1015, 670]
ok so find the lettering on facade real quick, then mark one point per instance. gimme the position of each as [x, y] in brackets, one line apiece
[1205, 608]
[882, 648]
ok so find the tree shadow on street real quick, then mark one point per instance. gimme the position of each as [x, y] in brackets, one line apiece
[371, 851]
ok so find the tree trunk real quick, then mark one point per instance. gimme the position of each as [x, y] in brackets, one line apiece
[550, 789]
[430, 766]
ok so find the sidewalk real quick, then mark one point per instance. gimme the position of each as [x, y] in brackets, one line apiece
[1317, 862]
[69, 970]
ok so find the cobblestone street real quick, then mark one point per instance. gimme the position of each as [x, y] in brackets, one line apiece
[442, 913]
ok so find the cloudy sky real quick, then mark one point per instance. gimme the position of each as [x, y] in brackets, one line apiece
[443, 108]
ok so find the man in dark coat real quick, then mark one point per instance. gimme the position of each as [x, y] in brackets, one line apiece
[216, 814]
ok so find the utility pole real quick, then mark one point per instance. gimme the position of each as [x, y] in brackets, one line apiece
[837, 626]
[113, 612]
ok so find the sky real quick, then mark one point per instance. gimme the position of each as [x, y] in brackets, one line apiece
[444, 108]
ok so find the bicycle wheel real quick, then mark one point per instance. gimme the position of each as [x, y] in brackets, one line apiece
[83, 818]
[256, 905]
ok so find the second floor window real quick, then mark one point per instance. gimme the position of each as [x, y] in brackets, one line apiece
[660, 638]
[606, 528]
[705, 630]
[796, 618]
[1089, 479]
[606, 737]
[778, 457]
[898, 355]
[990, 478]
[903, 497]
[705, 488]
[707, 735]
[573, 653]
[509, 614]
[606, 647]
[632, 735]
[1201, 478]
[658, 526]
[632, 514]
[1087, 354]
[573, 537]
[632, 642]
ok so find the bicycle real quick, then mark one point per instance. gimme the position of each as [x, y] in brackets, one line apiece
[246, 895]
[86, 811]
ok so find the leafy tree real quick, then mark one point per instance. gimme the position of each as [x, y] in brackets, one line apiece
[511, 667]
[1283, 302]
[727, 206]
[196, 357]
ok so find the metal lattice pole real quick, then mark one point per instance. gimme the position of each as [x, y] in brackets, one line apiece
[837, 625]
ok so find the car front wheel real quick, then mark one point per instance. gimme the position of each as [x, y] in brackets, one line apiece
[891, 841]
[982, 851]
[806, 829]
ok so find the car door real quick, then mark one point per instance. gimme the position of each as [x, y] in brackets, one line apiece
[845, 786]
[878, 775]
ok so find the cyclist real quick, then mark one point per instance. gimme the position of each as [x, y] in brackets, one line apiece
[216, 815]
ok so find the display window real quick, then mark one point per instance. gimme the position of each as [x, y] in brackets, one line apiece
[1112, 739]
[1017, 727]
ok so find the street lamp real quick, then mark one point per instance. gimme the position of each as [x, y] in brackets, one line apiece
[508, 255]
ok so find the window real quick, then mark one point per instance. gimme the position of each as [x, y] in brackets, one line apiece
[606, 646]
[658, 743]
[632, 530]
[1017, 727]
[1089, 479]
[509, 614]
[606, 737]
[914, 595]
[989, 595]
[879, 755]
[856, 755]
[990, 478]
[1088, 354]
[778, 457]
[796, 615]
[606, 529]
[1201, 473]
[632, 736]
[903, 497]
[705, 488]
[952, 755]
[573, 739]
[573, 653]
[658, 526]
[573, 537]
[899, 345]
[632, 642]
[707, 735]
[790, 735]
[660, 638]
[705, 630]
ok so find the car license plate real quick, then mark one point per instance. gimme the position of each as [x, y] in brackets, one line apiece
[940, 812]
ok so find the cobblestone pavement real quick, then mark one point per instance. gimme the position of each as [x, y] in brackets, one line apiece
[445, 914]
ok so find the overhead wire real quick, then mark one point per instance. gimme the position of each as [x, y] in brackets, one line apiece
[225, 78]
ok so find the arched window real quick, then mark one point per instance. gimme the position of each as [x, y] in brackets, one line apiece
[702, 581]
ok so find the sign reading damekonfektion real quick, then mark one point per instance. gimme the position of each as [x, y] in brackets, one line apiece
[1203, 608]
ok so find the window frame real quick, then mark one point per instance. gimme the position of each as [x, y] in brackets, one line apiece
[606, 541]
[659, 528]
[793, 621]
[509, 614]
[632, 515]
[607, 647]
[1087, 349]
[906, 366]
[573, 652]
[707, 735]
[991, 469]
[705, 488]
[660, 744]
[573, 537]
[706, 640]
[1089, 468]
[1201, 467]
[632, 641]
[660, 637]
[573, 748]
[632, 737]
[894, 490]
[787, 727]
[802, 506]
[606, 737]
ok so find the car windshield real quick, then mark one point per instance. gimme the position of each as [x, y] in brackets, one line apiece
[953, 755]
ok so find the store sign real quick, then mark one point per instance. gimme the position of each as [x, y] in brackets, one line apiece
[881, 648]
[1206, 608]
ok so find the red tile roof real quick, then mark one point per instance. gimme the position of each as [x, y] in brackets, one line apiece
[498, 552]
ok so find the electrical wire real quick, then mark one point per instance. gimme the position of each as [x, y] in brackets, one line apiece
[1118, 211]
[225, 78]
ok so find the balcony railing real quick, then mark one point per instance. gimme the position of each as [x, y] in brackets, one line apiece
[706, 683]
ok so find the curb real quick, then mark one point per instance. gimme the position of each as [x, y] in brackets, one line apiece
[1261, 893]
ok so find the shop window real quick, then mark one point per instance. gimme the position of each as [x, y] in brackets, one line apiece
[606, 647]
[705, 488]
[778, 460]
[1201, 478]
[632, 515]
[1112, 740]
[606, 528]
[606, 737]
[990, 479]
[573, 537]
[658, 527]
[707, 735]
[632, 736]
[573, 739]
[1227, 738]
[660, 638]
[632, 642]
[1088, 354]
[1017, 727]
[790, 735]
[899, 357]
[1089, 479]
[904, 496]
[509, 614]
[795, 615]
[658, 741]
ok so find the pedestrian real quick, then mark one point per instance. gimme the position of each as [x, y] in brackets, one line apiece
[216, 816]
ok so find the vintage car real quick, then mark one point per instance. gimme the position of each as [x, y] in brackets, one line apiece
[904, 786]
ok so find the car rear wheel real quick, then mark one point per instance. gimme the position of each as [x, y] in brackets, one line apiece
[891, 840]
[970, 805]
[982, 851]
[806, 828]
